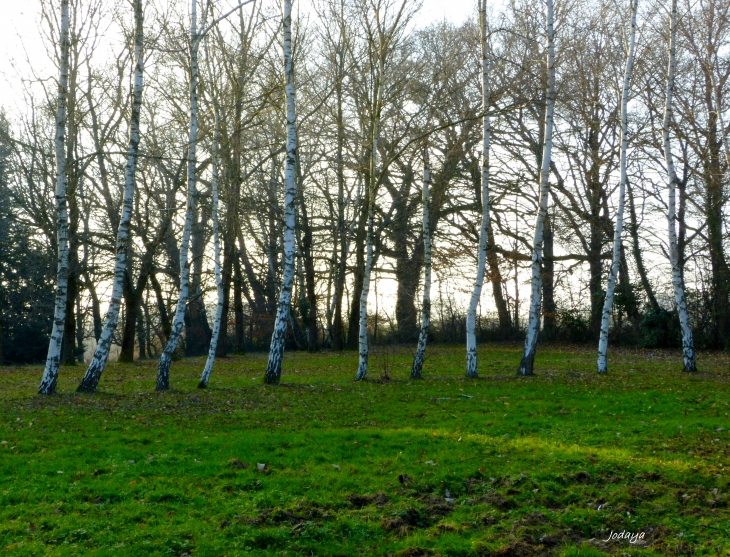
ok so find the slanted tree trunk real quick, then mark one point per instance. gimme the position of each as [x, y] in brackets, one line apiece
[163, 370]
[205, 377]
[528, 357]
[688, 351]
[276, 351]
[417, 367]
[53, 359]
[471, 316]
[101, 354]
[618, 229]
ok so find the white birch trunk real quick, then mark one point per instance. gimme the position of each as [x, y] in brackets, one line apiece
[276, 352]
[205, 377]
[613, 273]
[677, 282]
[163, 370]
[53, 359]
[533, 326]
[101, 354]
[363, 345]
[426, 304]
[471, 316]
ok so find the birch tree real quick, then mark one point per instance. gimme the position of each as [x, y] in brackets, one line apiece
[276, 351]
[382, 36]
[163, 370]
[616, 261]
[471, 316]
[688, 352]
[196, 36]
[101, 354]
[217, 260]
[533, 325]
[53, 359]
[417, 367]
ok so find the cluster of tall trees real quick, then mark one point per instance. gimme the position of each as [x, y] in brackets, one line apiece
[242, 174]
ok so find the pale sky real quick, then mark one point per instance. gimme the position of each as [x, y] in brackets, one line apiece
[19, 20]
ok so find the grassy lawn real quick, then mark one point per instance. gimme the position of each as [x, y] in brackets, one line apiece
[502, 466]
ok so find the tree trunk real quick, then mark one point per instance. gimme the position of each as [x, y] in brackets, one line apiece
[53, 359]
[359, 274]
[132, 301]
[616, 261]
[637, 253]
[721, 272]
[161, 309]
[528, 358]
[205, 377]
[338, 333]
[407, 269]
[226, 276]
[101, 354]
[471, 339]
[417, 368]
[163, 370]
[308, 260]
[240, 345]
[141, 338]
[79, 352]
[276, 352]
[362, 336]
[68, 352]
[549, 308]
[95, 308]
[677, 282]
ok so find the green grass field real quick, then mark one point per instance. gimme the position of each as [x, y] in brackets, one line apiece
[502, 466]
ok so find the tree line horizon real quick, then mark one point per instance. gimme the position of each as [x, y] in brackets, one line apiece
[281, 164]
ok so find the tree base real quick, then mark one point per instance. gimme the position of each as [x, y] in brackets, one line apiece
[471, 363]
[527, 365]
[88, 389]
